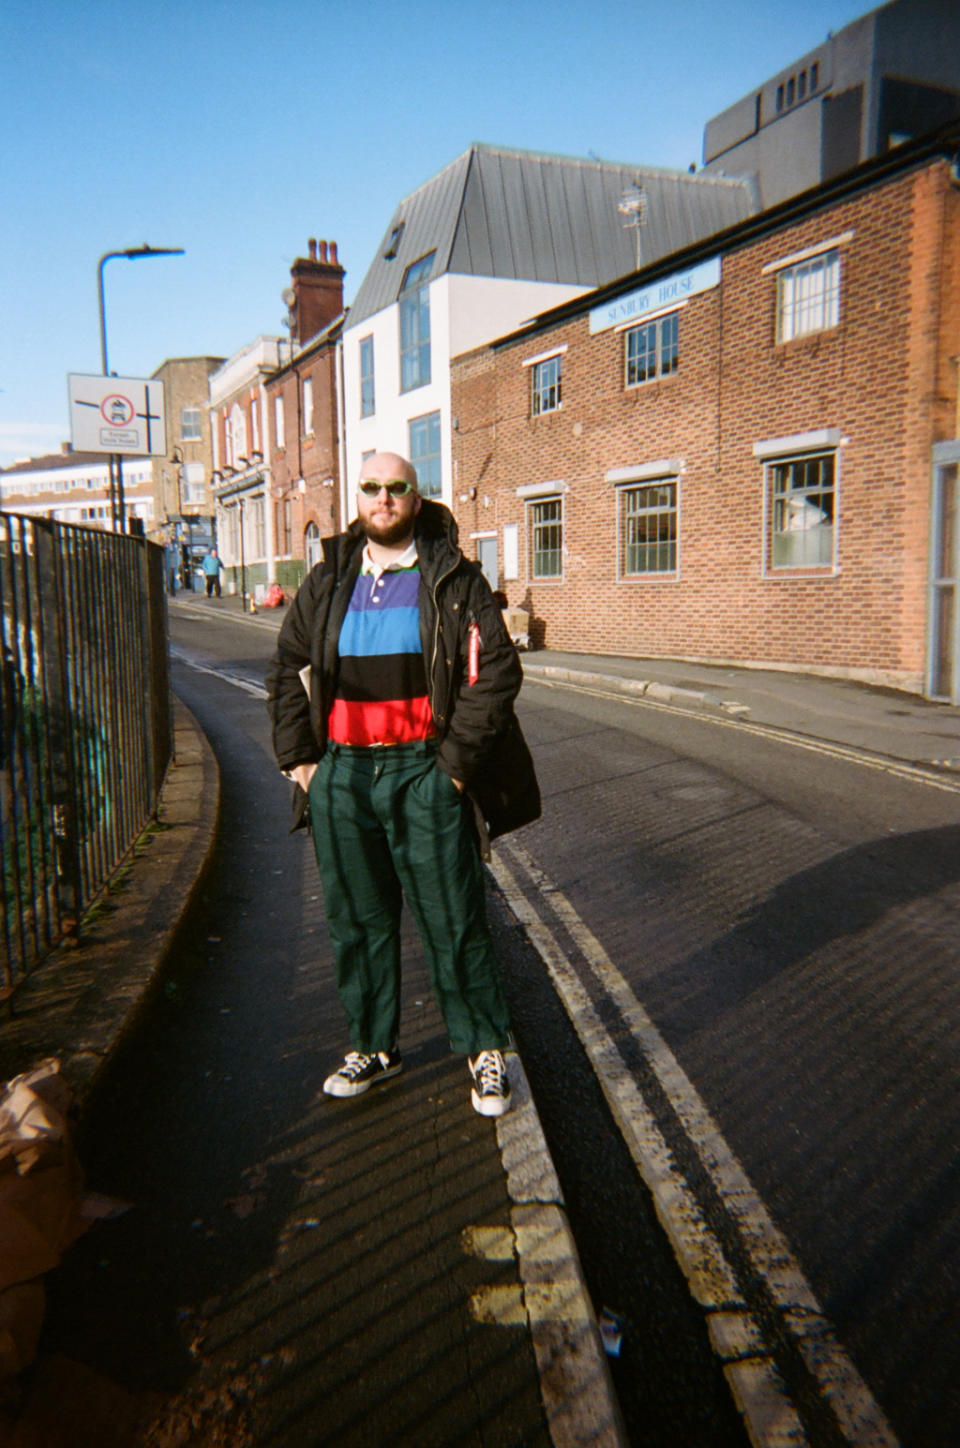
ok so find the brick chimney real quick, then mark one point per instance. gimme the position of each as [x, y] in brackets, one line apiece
[318, 290]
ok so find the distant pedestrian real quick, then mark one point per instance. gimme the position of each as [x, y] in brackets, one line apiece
[211, 566]
[407, 758]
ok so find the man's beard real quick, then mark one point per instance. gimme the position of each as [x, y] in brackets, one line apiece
[397, 531]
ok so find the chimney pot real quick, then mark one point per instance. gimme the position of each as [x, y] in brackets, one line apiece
[323, 251]
[313, 249]
[333, 253]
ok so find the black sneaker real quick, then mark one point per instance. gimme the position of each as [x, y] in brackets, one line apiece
[491, 1087]
[359, 1072]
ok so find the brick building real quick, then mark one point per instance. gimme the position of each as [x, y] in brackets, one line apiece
[302, 417]
[181, 480]
[746, 452]
[240, 480]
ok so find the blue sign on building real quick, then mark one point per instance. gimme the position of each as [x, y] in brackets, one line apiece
[659, 294]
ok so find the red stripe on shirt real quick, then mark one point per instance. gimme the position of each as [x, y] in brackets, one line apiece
[389, 721]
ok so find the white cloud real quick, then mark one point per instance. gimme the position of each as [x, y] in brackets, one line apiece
[19, 440]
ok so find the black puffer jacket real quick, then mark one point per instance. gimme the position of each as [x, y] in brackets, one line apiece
[480, 738]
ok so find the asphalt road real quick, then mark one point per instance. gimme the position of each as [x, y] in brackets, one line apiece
[719, 948]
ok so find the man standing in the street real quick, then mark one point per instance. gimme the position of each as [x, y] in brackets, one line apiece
[391, 694]
[211, 566]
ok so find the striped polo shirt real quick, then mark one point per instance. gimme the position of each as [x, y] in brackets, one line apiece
[381, 695]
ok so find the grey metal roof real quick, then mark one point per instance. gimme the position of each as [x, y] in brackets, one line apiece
[516, 214]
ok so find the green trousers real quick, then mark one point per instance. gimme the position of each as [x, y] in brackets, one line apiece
[388, 824]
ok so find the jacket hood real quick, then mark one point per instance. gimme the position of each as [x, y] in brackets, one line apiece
[435, 520]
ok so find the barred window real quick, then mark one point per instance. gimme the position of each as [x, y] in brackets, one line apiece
[652, 349]
[808, 296]
[546, 538]
[648, 529]
[802, 517]
[546, 385]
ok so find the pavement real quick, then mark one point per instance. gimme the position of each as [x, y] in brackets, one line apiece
[80, 1004]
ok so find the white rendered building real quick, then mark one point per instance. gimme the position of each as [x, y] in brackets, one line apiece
[493, 239]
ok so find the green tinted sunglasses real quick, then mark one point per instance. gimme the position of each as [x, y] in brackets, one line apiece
[399, 488]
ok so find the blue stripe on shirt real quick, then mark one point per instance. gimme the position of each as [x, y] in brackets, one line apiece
[388, 631]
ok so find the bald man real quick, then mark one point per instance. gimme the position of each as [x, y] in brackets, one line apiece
[407, 759]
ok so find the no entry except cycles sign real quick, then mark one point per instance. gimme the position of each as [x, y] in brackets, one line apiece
[116, 410]
[117, 415]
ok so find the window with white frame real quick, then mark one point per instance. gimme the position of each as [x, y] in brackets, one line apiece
[194, 487]
[545, 381]
[278, 439]
[546, 538]
[231, 526]
[424, 435]
[191, 424]
[258, 526]
[312, 550]
[648, 528]
[808, 296]
[307, 390]
[367, 380]
[802, 510]
[415, 324]
[652, 349]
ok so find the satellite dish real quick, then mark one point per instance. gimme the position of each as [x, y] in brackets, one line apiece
[288, 297]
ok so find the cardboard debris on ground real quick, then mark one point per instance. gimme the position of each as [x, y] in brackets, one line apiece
[41, 1198]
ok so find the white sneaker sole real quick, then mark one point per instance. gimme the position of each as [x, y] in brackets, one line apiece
[336, 1085]
[489, 1105]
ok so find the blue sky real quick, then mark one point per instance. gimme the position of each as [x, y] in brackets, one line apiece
[238, 130]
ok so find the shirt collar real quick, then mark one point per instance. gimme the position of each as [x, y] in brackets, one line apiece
[406, 560]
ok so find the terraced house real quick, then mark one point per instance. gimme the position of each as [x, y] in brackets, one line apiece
[746, 451]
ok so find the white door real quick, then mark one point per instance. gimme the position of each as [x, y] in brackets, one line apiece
[487, 556]
[313, 552]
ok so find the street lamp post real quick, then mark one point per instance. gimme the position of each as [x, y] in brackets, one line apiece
[132, 253]
[184, 518]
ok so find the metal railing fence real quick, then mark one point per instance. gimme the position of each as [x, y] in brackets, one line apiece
[86, 722]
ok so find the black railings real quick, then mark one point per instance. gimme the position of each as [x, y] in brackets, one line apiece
[87, 730]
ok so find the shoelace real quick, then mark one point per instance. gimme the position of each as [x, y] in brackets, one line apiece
[489, 1072]
[354, 1063]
